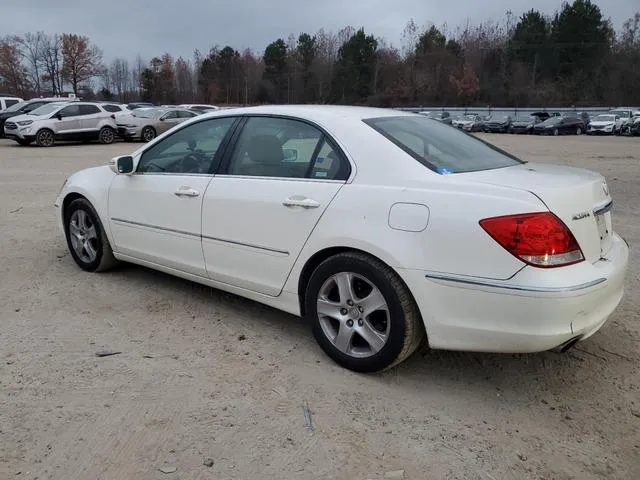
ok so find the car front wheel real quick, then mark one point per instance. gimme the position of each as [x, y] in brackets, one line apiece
[87, 242]
[45, 138]
[148, 134]
[362, 314]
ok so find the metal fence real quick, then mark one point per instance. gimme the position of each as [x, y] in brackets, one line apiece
[513, 111]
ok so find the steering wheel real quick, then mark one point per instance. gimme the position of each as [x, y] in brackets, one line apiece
[192, 162]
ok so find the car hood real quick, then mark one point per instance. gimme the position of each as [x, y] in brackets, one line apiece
[602, 123]
[570, 193]
[22, 117]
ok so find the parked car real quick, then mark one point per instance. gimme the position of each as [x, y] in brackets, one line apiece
[470, 122]
[633, 127]
[459, 242]
[564, 125]
[524, 124]
[27, 106]
[62, 121]
[607, 124]
[498, 124]
[542, 116]
[625, 114]
[199, 107]
[147, 123]
[443, 117]
[136, 105]
[7, 101]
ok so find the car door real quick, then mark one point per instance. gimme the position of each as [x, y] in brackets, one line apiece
[263, 204]
[167, 121]
[155, 213]
[67, 121]
[90, 116]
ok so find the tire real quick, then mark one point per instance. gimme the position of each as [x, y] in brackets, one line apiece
[556, 132]
[106, 135]
[397, 332]
[24, 143]
[578, 131]
[81, 217]
[45, 138]
[147, 134]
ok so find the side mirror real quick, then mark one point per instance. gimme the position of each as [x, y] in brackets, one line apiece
[122, 165]
[59, 116]
[290, 154]
[162, 119]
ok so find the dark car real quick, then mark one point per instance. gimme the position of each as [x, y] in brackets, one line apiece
[498, 124]
[135, 105]
[24, 107]
[524, 124]
[564, 125]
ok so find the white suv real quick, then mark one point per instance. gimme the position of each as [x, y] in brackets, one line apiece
[62, 121]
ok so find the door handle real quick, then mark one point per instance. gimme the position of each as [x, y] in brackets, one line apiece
[303, 202]
[186, 192]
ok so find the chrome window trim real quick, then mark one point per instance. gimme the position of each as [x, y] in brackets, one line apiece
[521, 288]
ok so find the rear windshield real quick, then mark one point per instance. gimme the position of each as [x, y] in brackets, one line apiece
[440, 147]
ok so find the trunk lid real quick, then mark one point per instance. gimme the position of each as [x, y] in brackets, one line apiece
[579, 197]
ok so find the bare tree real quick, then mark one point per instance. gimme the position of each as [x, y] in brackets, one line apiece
[33, 46]
[12, 71]
[51, 57]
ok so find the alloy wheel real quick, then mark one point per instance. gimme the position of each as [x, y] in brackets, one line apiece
[84, 236]
[353, 314]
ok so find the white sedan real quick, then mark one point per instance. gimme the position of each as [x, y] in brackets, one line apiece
[383, 228]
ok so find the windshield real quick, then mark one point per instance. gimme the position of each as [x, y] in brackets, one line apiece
[468, 117]
[552, 120]
[605, 118]
[440, 147]
[46, 109]
[620, 113]
[146, 112]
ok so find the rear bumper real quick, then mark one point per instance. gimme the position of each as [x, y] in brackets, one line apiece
[530, 312]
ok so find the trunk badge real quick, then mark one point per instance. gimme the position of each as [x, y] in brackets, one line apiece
[581, 215]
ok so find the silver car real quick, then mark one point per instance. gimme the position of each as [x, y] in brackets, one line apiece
[147, 123]
[62, 121]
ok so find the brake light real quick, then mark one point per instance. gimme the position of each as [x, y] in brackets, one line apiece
[539, 239]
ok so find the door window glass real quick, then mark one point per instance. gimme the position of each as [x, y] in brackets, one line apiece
[188, 150]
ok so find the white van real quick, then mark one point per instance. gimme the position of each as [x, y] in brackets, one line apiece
[6, 102]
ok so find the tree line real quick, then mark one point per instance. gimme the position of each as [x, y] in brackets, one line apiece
[573, 57]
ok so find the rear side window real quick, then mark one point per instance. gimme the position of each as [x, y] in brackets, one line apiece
[112, 108]
[439, 147]
[9, 103]
[88, 110]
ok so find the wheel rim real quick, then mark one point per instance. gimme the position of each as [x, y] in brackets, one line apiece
[579, 131]
[45, 138]
[107, 136]
[353, 315]
[148, 134]
[556, 132]
[84, 236]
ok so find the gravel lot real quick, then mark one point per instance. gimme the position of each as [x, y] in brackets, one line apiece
[203, 374]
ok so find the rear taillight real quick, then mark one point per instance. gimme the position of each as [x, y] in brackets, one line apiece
[539, 239]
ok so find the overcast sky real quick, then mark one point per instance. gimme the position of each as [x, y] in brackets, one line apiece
[151, 27]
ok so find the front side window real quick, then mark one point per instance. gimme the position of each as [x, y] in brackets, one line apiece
[440, 147]
[190, 150]
[170, 115]
[286, 148]
[186, 114]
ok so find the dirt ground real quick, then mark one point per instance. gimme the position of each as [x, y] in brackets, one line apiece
[204, 374]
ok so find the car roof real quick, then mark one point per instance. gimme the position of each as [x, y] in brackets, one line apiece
[313, 112]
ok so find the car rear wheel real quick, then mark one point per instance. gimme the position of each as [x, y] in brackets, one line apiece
[87, 242]
[556, 132]
[107, 135]
[361, 313]
[148, 134]
[45, 138]
[578, 131]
